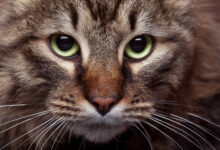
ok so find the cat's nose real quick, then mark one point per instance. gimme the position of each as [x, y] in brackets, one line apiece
[103, 105]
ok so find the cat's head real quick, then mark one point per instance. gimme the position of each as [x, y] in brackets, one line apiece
[97, 66]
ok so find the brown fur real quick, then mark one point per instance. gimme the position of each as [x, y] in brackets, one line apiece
[180, 76]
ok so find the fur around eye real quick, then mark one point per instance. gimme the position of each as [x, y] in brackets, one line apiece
[64, 46]
[139, 47]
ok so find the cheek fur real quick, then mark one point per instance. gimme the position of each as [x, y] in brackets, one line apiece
[44, 51]
[161, 54]
[7, 81]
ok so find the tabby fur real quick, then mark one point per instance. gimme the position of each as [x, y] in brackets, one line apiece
[181, 76]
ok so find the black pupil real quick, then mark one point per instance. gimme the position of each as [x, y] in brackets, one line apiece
[138, 44]
[65, 43]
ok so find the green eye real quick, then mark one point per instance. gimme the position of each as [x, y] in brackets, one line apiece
[64, 45]
[139, 47]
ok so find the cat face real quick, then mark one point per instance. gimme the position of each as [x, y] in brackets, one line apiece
[104, 91]
[100, 91]
[97, 67]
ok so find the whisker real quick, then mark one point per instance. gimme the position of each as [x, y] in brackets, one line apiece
[6, 117]
[24, 135]
[40, 133]
[145, 136]
[169, 119]
[58, 136]
[170, 103]
[81, 143]
[44, 132]
[21, 105]
[61, 123]
[17, 119]
[162, 123]
[62, 136]
[41, 114]
[170, 138]
[51, 120]
[115, 138]
[132, 124]
[71, 134]
[148, 136]
[196, 125]
[194, 115]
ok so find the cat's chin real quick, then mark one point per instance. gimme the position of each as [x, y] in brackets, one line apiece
[99, 134]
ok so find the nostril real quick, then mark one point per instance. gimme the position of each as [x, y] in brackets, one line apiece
[103, 105]
[95, 104]
[112, 104]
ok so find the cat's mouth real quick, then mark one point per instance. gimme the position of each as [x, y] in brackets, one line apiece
[99, 131]
[97, 128]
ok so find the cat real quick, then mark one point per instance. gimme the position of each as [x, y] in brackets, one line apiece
[109, 74]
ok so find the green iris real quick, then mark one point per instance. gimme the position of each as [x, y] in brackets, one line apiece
[139, 47]
[64, 45]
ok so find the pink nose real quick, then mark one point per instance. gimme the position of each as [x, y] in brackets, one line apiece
[103, 105]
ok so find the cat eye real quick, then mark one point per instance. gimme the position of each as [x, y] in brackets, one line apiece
[64, 46]
[139, 47]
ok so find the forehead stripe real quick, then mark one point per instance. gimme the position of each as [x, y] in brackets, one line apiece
[133, 19]
[101, 11]
[116, 9]
[90, 7]
[74, 17]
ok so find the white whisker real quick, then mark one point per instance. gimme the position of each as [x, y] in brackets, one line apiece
[40, 133]
[145, 136]
[45, 132]
[41, 114]
[194, 115]
[81, 143]
[62, 136]
[18, 114]
[58, 136]
[71, 134]
[20, 118]
[51, 120]
[148, 136]
[52, 133]
[151, 125]
[21, 105]
[168, 118]
[162, 123]
[24, 134]
[198, 126]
